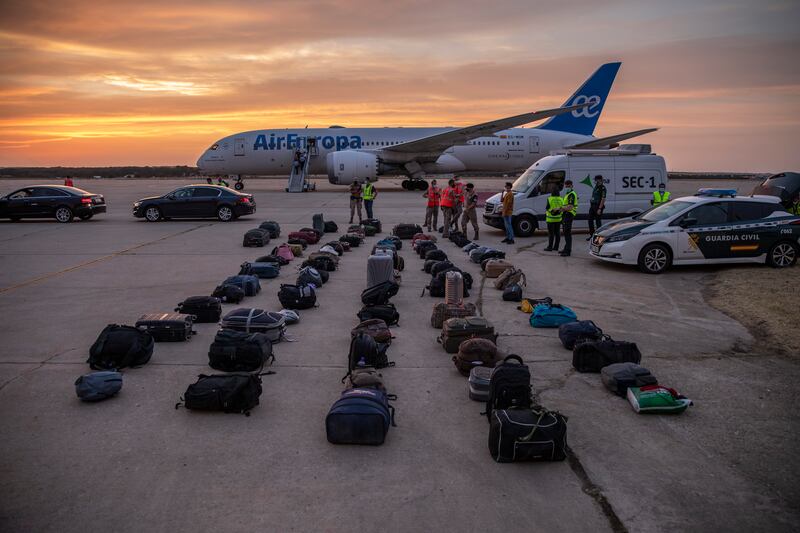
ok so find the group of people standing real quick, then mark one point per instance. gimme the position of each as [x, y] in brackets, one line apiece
[359, 195]
[458, 204]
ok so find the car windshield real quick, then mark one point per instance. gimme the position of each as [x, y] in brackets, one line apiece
[528, 178]
[663, 212]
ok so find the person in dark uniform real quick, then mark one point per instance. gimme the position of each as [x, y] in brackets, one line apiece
[596, 205]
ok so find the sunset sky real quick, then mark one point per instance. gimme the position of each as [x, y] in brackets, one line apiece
[139, 82]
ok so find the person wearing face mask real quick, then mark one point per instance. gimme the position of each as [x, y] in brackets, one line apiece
[661, 196]
[568, 213]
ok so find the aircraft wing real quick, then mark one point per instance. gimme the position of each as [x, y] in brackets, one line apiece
[603, 142]
[442, 141]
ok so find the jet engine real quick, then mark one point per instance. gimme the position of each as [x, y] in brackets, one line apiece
[348, 165]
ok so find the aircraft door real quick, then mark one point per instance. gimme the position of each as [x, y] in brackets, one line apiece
[238, 146]
[534, 144]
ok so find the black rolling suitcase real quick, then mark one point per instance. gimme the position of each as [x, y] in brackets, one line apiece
[167, 327]
[318, 223]
[203, 308]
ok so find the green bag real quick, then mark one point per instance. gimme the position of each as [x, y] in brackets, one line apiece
[657, 399]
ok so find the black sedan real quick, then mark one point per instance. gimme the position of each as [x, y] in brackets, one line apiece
[196, 201]
[51, 201]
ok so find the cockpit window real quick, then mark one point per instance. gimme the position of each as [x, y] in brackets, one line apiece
[214, 146]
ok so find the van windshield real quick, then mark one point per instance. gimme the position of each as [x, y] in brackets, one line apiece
[663, 212]
[528, 178]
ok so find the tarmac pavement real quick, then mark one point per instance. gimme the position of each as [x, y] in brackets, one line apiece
[135, 463]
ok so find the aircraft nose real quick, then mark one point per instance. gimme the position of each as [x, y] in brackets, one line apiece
[201, 165]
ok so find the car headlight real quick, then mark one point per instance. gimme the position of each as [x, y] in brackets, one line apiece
[620, 237]
[136, 204]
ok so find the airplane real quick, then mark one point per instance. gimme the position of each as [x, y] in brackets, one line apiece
[494, 147]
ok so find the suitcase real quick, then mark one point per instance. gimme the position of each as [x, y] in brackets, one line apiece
[203, 308]
[457, 330]
[479, 378]
[619, 377]
[229, 294]
[495, 267]
[318, 222]
[374, 222]
[380, 268]
[250, 320]
[406, 231]
[442, 312]
[453, 288]
[248, 283]
[167, 327]
[256, 237]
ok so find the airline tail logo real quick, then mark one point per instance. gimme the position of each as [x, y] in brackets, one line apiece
[589, 111]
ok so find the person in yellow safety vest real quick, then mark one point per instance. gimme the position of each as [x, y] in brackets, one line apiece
[661, 196]
[448, 202]
[795, 207]
[553, 219]
[368, 194]
[568, 213]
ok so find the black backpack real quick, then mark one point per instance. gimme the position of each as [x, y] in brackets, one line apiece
[461, 241]
[365, 352]
[353, 240]
[429, 265]
[439, 267]
[297, 296]
[510, 385]
[310, 276]
[512, 293]
[374, 222]
[229, 393]
[572, 333]
[119, 347]
[321, 264]
[272, 227]
[379, 294]
[386, 312]
[424, 246]
[436, 254]
[331, 226]
[237, 351]
[318, 222]
[230, 294]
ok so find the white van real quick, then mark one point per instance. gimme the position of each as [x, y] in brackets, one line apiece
[631, 174]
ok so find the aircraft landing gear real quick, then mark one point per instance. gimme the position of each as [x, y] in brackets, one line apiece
[414, 185]
[239, 185]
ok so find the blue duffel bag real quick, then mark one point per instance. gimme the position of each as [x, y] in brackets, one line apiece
[262, 270]
[360, 416]
[249, 284]
[551, 315]
[98, 386]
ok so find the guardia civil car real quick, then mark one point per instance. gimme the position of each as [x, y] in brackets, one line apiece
[714, 226]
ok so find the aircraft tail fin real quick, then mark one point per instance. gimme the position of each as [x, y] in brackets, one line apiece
[595, 89]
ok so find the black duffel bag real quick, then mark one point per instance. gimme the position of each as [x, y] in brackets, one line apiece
[229, 393]
[297, 296]
[572, 333]
[379, 294]
[527, 434]
[120, 347]
[237, 351]
[592, 356]
[386, 312]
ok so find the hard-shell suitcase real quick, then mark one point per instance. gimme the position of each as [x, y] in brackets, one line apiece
[457, 330]
[527, 434]
[203, 308]
[318, 222]
[251, 320]
[380, 268]
[479, 378]
[167, 327]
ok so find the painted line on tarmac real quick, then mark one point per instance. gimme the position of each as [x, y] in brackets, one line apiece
[42, 230]
[98, 260]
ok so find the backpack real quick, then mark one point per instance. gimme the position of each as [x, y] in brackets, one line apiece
[248, 283]
[320, 263]
[369, 231]
[300, 242]
[365, 351]
[229, 393]
[592, 356]
[423, 247]
[274, 259]
[237, 351]
[230, 294]
[475, 352]
[527, 434]
[379, 294]
[283, 251]
[374, 222]
[476, 254]
[314, 235]
[386, 312]
[511, 275]
[365, 377]
[309, 276]
[375, 328]
[337, 246]
[120, 347]
[439, 266]
[512, 293]
[255, 237]
[297, 296]
[467, 248]
[260, 270]
[510, 385]
[327, 249]
[573, 332]
[460, 240]
[428, 265]
[250, 320]
[551, 315]
[618, 377]
[439, 255]
[353, 240]
[204, 308]
[492, 254]
[291, 317]
[272, 227]
[98, 386]
[330, 226]
[406, 231]
[360, 416]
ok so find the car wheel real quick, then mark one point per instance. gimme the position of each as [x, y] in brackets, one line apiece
[782, 255]
[152, 214]
[524, 225]
[64, 214]
[654, 259]
[86, 217]
[238, 186]
[225, 213]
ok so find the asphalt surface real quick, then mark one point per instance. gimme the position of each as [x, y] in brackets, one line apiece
[136, 463]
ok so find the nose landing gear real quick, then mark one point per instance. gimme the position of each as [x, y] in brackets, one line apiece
[415, 184]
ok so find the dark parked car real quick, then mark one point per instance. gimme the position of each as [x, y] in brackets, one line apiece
[51, 201]
[196, 201]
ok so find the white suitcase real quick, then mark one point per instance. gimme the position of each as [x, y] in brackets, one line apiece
[380, 268]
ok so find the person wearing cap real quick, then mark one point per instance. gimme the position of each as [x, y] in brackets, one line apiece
[507, 199]
[596, 205]
[355, 200]
[368, 194]
[470, 211]
[568, 213]
[448, 202]
[661, 196]
[432, 210]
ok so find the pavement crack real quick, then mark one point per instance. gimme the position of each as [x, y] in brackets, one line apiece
[37, 367]
[591, 489]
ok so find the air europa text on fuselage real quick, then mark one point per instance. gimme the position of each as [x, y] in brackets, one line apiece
[293, 140]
